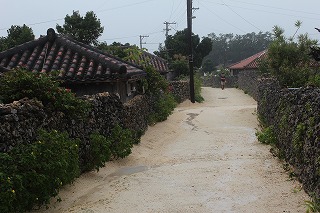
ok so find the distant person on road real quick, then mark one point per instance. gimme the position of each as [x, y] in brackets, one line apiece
[222, 80]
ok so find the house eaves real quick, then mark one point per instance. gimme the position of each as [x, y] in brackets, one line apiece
[249, 63]
[75, 62]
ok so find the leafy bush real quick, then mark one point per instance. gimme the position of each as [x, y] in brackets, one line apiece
[289, 59]
[163, 102]
[100, 152]
[163, 107]
[314, 80]
[31, 174]
[313, 205]
[267, 136]
[180, 65]
[197, 89]
[20, 83]
[122, 141]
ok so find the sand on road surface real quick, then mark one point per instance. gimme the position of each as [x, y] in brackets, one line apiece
[204, 158]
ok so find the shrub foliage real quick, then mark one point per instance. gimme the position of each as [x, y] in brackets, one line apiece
[21, 83]
[31, 174]
[289, 59]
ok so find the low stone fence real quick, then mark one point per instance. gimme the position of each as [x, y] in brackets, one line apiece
[21, 120]
[248, 82]
[136, 114]
[294, 116]
[180, 90]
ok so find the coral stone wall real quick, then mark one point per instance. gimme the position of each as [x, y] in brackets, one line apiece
[136, 114]
[294, 114]
[20, 120]
[180, 89]
[248, 82]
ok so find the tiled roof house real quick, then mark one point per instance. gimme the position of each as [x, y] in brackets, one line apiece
[250, 63]
[160, 64]
[83, 68]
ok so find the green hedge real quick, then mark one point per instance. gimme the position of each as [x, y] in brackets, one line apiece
[31, 174]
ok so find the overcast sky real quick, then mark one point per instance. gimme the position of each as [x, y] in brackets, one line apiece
[125, 20]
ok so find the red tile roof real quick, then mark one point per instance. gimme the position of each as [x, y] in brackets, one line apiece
[76, 61]
[158, 63]
[249, 63]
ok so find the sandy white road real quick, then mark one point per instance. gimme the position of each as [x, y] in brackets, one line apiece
[204, 158]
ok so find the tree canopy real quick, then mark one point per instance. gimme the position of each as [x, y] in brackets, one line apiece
[116, 48]
[177, 44]
[289, 59]
[16, 35]
[85, 29]
[230, 48]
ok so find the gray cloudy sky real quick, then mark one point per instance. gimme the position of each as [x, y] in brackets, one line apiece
[124, 21]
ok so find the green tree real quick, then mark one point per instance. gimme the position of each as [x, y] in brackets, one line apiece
[180, 65]
[16, 35]
[116, 48]
[289, 58]
[202, 50]
[207, 66]
[178, 45]
[84, 29]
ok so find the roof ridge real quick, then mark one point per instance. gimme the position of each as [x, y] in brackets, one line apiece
[249, 60]
[95, 50]
[23, 46]
[258, 56]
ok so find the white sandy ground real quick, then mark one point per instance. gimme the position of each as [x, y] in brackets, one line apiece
[204, 158]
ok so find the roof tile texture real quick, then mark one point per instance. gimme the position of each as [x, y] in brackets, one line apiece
[76, 62]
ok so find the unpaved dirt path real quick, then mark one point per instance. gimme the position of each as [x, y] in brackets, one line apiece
[204, 158]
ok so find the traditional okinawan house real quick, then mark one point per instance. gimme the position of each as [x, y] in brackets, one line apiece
[251, 63]
[82, 68]
[160, 64]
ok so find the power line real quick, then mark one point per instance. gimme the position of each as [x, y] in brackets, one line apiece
[259, 10]
[43, 22]
[97, 11]
[120, 7]
[176, 9]
[133, 36]
[223, 19]
[242, 17]
[279, 8]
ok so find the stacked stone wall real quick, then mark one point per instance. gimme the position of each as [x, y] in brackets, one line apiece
[21, 120]
[180, 90]
[248, 82]
[294, 115]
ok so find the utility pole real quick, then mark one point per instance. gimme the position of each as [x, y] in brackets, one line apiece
[189, 21]
[141, 38]
[167, 27]
[167, 34]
